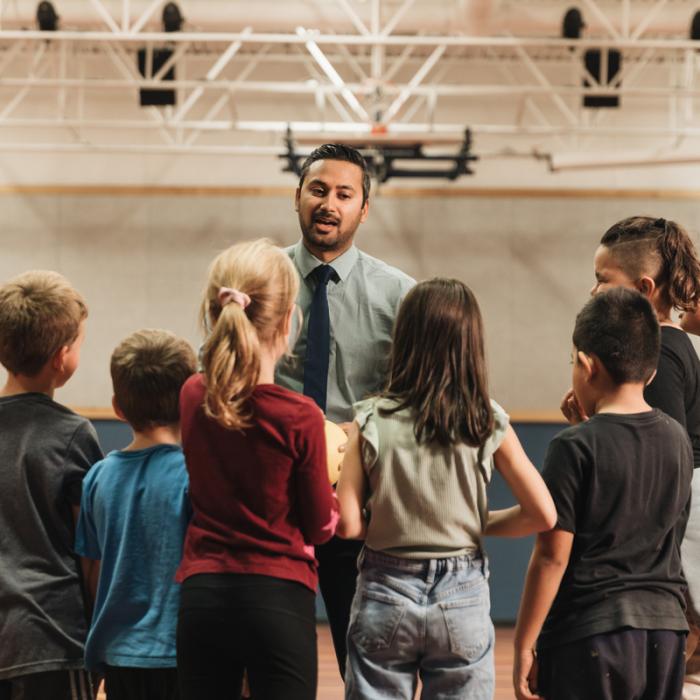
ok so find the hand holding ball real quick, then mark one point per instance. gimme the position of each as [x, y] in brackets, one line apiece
[335, 438]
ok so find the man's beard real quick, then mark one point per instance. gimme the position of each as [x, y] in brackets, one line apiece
[328, 241]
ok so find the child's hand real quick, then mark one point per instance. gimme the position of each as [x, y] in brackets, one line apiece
[571, 408]
[525, 675]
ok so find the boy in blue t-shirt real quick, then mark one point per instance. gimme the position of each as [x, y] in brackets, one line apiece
[133, 517]
[604, 596]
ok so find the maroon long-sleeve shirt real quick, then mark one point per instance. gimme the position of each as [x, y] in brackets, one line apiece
[260, 497]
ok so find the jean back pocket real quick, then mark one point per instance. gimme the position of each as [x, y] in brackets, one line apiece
[468, 623]
[377, 620]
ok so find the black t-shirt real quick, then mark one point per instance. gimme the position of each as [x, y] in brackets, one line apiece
[45, 451]
[676, 386]
[621, 484]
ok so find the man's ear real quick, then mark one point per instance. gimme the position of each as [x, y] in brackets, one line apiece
[118, 411]
[651, 379]
[296, 199]
[364, 211]
[590, 364]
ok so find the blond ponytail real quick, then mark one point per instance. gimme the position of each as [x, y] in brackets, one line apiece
[231, 359]
[263, 274]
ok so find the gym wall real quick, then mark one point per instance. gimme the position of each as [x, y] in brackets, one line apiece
[140, 256]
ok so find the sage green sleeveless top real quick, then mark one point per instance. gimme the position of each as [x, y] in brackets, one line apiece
[425, 501]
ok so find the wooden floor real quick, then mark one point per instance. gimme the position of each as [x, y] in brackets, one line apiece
[330, 686]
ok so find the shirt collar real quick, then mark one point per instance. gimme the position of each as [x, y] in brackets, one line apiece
[307, 262]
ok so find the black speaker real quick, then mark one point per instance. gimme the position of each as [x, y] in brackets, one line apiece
[172, 18]
[150, 97]
[46, 17]
[695, 27]
[592, 61]
[572, 24]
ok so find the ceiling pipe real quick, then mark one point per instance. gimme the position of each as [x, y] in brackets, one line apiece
[472, 18]
[564, 163]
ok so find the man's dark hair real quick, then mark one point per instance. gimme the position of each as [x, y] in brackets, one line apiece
[619, 326]
[337, 151]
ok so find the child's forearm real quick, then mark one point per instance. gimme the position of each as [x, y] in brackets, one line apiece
[355, 530]
[352, 524]
[512, 522]
[541, 586]
[352, 488]
[542, 582]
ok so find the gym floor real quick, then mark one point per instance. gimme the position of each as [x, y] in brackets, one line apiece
[330, 686]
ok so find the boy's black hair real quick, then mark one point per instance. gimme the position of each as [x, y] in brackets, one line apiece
[619, 326]
[337, 151]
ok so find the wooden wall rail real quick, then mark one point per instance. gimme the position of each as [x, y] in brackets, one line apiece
[98, 413]
[399, 192]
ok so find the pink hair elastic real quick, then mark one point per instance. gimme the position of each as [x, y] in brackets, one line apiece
[228, 295]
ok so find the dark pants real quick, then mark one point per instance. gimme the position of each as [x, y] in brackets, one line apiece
[52, 685]
[141, 683]
[231, 622]
[337, 577]
[625, 665]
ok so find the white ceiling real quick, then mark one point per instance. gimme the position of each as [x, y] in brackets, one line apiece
[422, 70]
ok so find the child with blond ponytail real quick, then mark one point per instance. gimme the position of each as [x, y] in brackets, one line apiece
[256, 458]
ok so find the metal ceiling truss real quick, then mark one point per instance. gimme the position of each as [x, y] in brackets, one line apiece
[240, 92]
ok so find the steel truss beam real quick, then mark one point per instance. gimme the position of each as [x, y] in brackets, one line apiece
[375, 80]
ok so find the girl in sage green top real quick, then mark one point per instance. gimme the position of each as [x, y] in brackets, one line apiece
[413, 485]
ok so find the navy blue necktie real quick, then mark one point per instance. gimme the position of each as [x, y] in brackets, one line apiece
[318, 338]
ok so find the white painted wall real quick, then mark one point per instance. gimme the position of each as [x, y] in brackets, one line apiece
[141, 262]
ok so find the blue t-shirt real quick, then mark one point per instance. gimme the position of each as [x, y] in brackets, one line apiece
[133, 516]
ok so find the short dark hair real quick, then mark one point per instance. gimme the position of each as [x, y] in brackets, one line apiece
[337, 151]
[619, 326]
[437, 367]
[148, 370]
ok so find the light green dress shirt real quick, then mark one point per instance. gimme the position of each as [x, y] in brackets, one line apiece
[362, 306]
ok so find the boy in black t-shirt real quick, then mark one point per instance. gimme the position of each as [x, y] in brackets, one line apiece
[604, 590]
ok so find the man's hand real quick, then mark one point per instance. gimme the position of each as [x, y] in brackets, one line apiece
[525, 675]
[571, 408]
[345, 427]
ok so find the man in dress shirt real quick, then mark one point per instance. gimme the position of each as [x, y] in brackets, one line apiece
[349, 302]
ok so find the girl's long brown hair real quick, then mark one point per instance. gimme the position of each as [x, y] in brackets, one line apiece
[437, 366]
[662, 249]
[231, 352]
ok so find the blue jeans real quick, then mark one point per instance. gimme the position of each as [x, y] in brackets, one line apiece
[420, 617]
